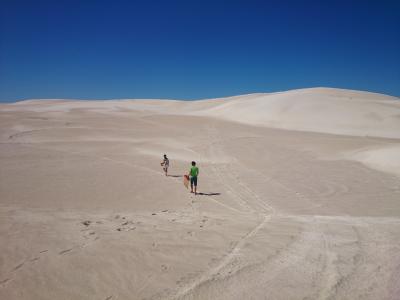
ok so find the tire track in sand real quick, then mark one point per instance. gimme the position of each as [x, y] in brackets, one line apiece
[243, 194]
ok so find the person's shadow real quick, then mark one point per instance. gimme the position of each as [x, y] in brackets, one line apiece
[201, 194]
[209, 194]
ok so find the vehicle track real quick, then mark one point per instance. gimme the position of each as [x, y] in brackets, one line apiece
[251, 204]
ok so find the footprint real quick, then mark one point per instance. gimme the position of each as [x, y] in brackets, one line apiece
[203, 222]
[43, 251]
[109, 298]
[65, 251]
[89, 234]
[5, 280]
[126, 229]
[34, 259]
[164, 268]
[18, 267]
[86, 223]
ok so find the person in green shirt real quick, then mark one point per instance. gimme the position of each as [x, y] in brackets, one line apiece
[193, 173]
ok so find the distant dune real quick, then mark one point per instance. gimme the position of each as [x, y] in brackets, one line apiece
[325, 110]
[322, 110]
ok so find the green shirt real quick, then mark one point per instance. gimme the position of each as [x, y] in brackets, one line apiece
[194, 171]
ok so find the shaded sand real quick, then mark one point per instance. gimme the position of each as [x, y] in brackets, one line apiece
[300, 198]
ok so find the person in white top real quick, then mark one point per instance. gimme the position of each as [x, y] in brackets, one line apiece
[165, 164]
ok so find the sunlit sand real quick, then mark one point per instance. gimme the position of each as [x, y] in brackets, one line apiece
[299, 198]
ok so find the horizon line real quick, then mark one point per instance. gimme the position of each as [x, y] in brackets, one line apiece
[195, 99]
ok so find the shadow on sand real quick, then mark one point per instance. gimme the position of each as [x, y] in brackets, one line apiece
[209, 194]
[175, 176]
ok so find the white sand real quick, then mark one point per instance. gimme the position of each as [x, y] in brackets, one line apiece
[384, 158]
[318, 110]
[300, 198]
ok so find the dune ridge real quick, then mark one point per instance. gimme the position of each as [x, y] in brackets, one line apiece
[321, 110]
[325, 110]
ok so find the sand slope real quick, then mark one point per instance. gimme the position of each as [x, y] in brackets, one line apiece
[319, 110]
[325, 110]
[299, 198]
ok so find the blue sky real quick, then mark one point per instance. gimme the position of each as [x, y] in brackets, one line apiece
[195, 49]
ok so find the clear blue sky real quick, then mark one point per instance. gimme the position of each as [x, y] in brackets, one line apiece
[195, 49]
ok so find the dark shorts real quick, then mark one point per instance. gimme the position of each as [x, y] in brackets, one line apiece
[193, 181]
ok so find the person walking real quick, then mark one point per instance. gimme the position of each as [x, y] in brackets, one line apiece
[193, 173]
[165, 164]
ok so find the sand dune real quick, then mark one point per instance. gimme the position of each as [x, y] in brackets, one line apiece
[381, 158]
[317, 110]
[299, 198]
[325, 110]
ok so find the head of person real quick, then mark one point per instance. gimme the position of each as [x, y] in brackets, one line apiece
[193, 163]
[165, 155]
